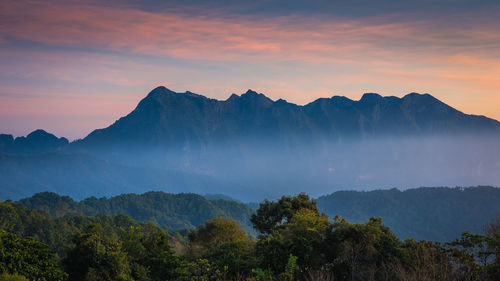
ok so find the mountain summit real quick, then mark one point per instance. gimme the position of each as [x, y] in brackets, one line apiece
[167, 117]
[252, 147]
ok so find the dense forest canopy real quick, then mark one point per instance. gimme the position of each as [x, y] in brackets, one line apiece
[437, 214]
[296, 242]
[185, 210]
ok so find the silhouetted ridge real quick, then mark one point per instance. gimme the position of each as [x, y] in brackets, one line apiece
[371, 98]
[38, 141]
[165, 117]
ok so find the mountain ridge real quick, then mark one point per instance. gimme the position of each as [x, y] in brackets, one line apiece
[252, 147]
[196, 117]
[38, 141]
[7, 141]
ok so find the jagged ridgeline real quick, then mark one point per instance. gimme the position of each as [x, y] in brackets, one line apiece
[251, 147]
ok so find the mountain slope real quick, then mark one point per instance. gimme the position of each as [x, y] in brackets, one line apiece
[251, 147]
[187, 119]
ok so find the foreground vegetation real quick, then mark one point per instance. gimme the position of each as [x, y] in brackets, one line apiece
[296, 242]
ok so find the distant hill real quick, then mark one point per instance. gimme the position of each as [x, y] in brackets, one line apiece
[176, 211]
[37, 141]
[438, 214]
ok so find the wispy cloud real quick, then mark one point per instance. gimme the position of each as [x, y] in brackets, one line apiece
[178, 35]
[57, 46]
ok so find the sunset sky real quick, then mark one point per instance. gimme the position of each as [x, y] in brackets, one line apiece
[72, 66]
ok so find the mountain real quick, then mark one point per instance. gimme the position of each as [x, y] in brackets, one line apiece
[189, 120]
[250, 147]
[37, 141]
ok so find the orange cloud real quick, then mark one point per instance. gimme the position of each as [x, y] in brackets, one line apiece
[297, 57]
[167, 33]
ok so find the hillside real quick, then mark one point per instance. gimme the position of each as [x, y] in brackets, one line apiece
[438, 214]
[175, 211]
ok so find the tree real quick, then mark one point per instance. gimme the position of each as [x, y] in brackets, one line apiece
[215, 233]
[149, 253]
[225, 245]
[95, 256]
[291, 226]
[361, 251]
[271, 215]
[492, 232]
[29, 258]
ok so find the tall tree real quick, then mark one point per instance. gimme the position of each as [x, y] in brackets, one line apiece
[96, 256]
[271, 215]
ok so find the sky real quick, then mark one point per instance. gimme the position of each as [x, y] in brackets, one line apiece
[73, 66]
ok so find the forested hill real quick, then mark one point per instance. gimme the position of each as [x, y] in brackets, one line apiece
[438, 214]
[185, 210]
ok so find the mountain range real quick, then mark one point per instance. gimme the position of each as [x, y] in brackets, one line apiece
[167, 117]
[252, 147]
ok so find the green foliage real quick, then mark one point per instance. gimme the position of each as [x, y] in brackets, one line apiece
[215, 233]
[271, 215]
[299, 230]
[167, 210]
[262, 275]
[291, 269]
[200, 270]
[223, 242]
[149, 253]
[492, 231]
[297, 242]
[12, 277]
[476, 256]
[29, 258]
[96, 256]
[436, 214]
[56, 233]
